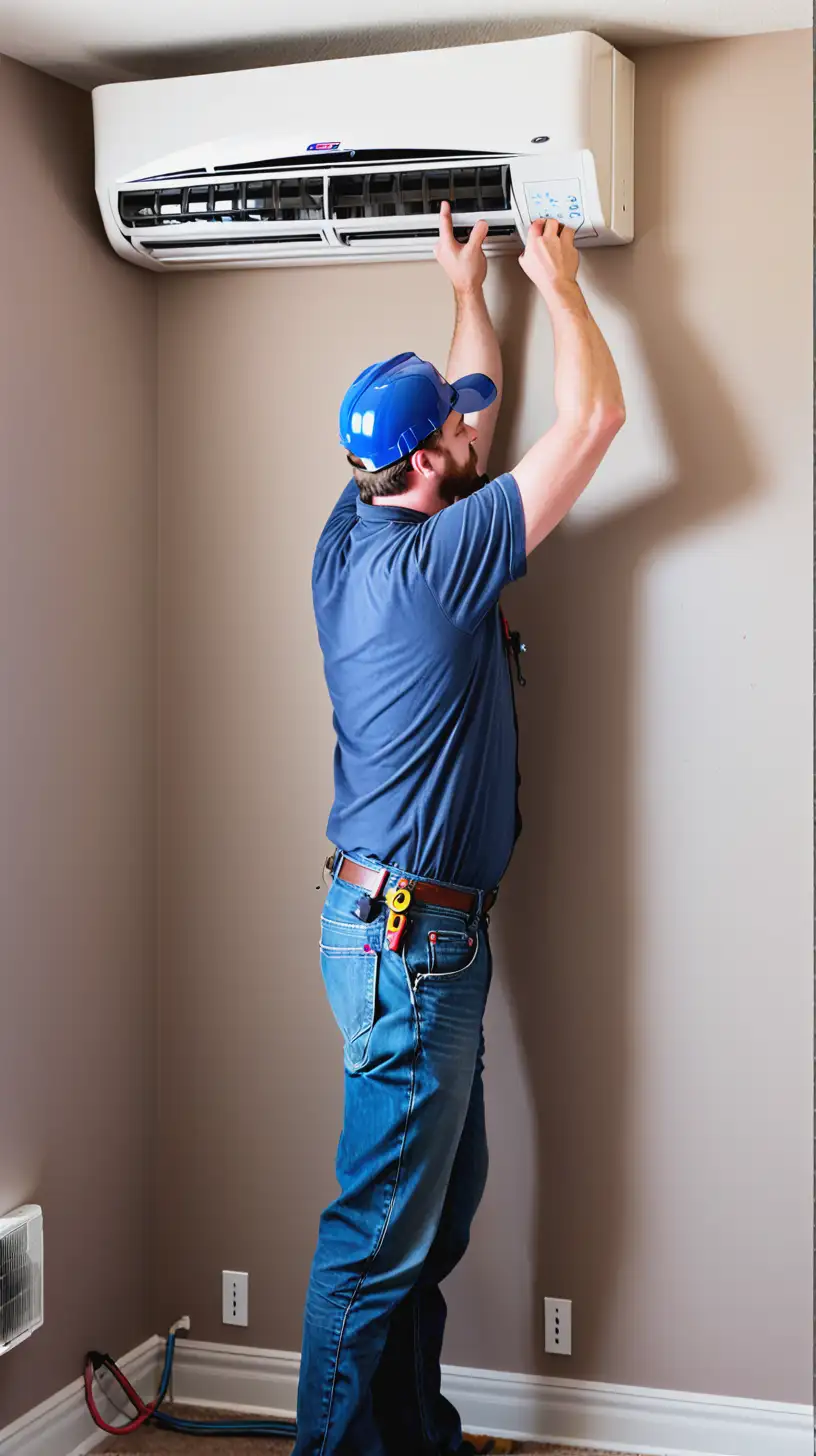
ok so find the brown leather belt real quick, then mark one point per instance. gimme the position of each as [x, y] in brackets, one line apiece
[425, 890]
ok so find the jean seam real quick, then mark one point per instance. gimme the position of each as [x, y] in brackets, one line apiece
[380, 1240]
[418, 1380]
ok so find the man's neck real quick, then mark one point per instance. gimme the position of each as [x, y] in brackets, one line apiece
[423, 497]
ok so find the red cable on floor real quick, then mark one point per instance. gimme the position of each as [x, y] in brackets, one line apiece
[93, 1363]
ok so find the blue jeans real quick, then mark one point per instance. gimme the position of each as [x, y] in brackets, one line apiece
[411, 1165]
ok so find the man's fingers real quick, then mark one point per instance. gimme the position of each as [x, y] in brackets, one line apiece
[445, 224]
[478, 233]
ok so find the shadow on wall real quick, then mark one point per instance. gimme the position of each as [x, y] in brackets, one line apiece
[564, 931]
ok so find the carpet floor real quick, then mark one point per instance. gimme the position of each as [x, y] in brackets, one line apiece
[155, 1442]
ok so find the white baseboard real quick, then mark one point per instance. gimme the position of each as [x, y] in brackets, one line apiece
[236, 1377]
[528, 1407]
[627, 1418]
[62, 1425]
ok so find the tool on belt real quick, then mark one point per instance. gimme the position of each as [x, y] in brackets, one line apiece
[515, 647]
[399, 900]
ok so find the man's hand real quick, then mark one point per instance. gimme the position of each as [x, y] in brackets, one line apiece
[550, 258]
[464, 263]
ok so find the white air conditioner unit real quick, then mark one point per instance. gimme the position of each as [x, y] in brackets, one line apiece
[21, 1274]
[348, 161]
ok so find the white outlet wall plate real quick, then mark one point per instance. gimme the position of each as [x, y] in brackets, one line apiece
[558, 1326]
[234, 1297]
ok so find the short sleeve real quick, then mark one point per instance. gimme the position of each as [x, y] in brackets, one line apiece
[470, 551]
[336, 532]
[344, 513]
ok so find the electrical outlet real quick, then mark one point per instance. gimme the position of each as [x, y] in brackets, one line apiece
[234, 1298]
[558, 1326]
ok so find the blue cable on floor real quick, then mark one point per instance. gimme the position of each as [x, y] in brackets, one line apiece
[258, 1427]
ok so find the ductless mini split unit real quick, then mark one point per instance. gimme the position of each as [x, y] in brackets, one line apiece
[349, 161]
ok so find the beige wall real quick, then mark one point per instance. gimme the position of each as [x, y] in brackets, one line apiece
[649, 1034]
[77, 755]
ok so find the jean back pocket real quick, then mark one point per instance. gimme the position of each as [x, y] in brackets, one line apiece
[349, 963]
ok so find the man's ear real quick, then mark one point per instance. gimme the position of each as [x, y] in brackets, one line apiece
[422, 464]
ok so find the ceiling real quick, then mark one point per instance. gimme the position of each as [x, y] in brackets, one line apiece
[89, 41]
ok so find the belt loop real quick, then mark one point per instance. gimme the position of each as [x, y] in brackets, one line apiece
[337, 863]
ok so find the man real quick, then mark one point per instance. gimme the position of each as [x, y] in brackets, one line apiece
[406, 582]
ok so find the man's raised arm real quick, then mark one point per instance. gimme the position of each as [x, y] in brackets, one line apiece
[588, 394]
[474, 348]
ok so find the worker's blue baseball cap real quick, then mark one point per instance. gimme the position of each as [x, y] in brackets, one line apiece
[394, 405]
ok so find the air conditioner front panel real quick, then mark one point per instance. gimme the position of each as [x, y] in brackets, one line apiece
[482, 99]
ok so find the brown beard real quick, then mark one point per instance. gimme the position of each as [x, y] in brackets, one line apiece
[461, 480]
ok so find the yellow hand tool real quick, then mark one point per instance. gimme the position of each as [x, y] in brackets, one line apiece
[398, 901]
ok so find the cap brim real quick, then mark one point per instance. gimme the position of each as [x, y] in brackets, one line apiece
[473, 392]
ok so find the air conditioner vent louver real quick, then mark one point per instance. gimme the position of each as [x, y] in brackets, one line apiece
[494, 230]
[21, 1288]
[407, 194]
[268, 240]
[217, 245]
[300, 199]
[275, 199]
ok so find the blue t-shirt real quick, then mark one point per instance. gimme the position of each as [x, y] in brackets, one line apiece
[414, 651]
